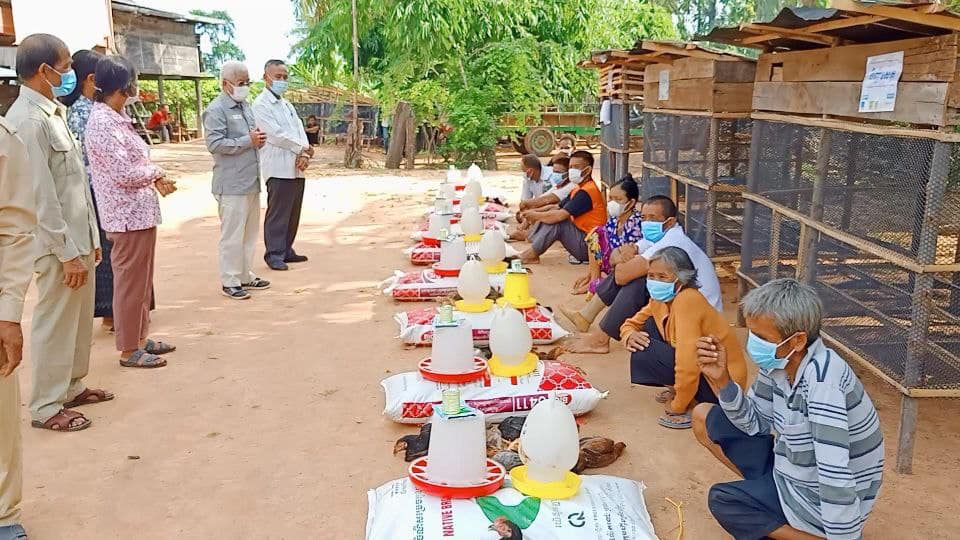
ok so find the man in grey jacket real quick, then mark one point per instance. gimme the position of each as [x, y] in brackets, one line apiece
[233, 139]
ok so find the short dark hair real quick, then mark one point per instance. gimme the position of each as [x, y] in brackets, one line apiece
[530, 160]
[629, 187]
[114, 73]
[563, 161]
[84, 64]
[584, 155]
[36, 50]
[665, 203]
[273, 62]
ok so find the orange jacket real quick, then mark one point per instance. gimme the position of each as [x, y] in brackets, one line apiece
[681, 323]
[597, 215]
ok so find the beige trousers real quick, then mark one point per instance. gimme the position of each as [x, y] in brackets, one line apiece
[61, 337]
[11, 458]
[239, 227]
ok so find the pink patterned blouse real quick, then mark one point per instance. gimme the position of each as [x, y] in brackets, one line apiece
[121, 172]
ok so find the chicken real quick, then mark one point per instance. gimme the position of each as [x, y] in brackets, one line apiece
[597, 452]
[414, 446]
[510, 428]
[509, 459]
[494, 441]
[506, 529]
[552, 354]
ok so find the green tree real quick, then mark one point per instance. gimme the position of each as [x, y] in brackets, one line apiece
[221, 38]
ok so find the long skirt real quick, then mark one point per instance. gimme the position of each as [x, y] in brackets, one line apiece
[103, 303]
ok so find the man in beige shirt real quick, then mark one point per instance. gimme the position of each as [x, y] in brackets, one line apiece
[17, 222]
[67, 240]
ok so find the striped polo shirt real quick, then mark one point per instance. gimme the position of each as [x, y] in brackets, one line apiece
[828, 463]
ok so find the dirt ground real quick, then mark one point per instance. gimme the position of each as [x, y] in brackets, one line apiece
[267, 422]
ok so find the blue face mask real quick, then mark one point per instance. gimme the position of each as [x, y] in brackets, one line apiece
[652, 230]
[764, 353]
[661, 291]
[556, 178]
[279, 87]
[68, 82]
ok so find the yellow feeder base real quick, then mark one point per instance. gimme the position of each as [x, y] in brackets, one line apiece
[473, 238]
[523, 303]
[481, 200]
[465, 307]
[563, 489]
[498, 368]
[498, 268]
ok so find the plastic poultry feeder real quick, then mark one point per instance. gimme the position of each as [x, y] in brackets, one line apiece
[452, 358]
[493, 249]
[473, 286]
[549, 448]
[511, 344]
[453, 254]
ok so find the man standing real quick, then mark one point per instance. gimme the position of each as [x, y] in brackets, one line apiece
[233, 139]
[581, 212]
[159, 121]
[17, 222]
[283, 161]
[67, 239]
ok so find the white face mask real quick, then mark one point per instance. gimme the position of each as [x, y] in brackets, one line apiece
[240, 93]
[614, 209]
[575, 175]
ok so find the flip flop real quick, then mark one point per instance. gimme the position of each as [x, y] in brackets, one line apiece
[158, 347]
[676, 421]
[61, 422]
[89, 397]
[142, 359]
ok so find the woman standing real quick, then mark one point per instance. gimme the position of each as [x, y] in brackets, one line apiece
[126, 183]
[662, 338]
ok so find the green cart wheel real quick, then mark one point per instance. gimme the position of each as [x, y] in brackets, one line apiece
[540, 141]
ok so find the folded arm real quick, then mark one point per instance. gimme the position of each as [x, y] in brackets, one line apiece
[276, 135]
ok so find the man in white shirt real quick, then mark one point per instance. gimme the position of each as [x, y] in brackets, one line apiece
[283, 161]
[625, 290]
[535, 175]
[560, 188]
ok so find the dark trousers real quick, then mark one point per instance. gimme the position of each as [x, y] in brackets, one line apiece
[624, 302]
[543, 235]
[748, 509]
[656, 365]
[284, 199]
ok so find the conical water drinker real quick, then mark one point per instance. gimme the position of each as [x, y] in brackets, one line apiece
[473, 285]
[456, 465]
[511, 344]
[472, 224]
[473, 191]
[549, 448]
[438, 223]
[493, 249]
[453, 254]
[452, 358]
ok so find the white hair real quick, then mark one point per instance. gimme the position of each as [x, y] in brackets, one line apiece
[231, 69]
[793, 306]
[678, 262]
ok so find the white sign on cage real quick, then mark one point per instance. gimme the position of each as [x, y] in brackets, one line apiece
[879, 90]
[663, 89]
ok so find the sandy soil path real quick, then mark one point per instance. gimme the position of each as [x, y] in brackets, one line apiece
[267, 424]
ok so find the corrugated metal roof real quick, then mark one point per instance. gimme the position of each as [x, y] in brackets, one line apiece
[132, 6]
[865, 26]
[658, 51]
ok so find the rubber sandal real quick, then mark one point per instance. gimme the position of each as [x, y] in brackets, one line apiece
[676, 421]
[84, 398]
[61, 422]
[142, 359]
[158, 347]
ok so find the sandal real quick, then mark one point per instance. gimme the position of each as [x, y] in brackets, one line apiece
[89, 397]
[142, 359]
[676, 421]
[666, 396]
[62, 421]
[158, 347]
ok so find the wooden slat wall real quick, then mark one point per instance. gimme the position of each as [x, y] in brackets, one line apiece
[698, 84]
[157, 46]
[827, 81]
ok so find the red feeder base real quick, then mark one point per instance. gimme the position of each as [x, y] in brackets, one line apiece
[478, 372]
[431, 242]
[444, 272]
[494, 480]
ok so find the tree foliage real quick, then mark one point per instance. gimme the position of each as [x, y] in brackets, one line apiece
[221, 40]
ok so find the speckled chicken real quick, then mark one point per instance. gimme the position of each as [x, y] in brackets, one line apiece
[597, 452]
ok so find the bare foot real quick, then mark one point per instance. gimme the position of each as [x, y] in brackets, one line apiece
[598, 343]
[576, 318]
[529, 257]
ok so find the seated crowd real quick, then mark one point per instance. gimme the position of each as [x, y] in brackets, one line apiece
[804, 437]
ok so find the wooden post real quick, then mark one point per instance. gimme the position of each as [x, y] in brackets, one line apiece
[410, 148]
[198, 94]
[774, 257]
[922, 303]
[647, 155]
[853, 159]
[353, 158]
[807, 270]
[623, 159]
[710, 240]
[749, 213]
[160, 97]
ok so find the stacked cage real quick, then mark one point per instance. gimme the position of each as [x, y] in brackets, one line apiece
[697, 146]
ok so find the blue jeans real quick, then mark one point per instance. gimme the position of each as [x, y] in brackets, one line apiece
[13, 532]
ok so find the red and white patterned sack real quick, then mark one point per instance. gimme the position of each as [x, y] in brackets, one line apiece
[422, 254]
[425, 285]
[489, 210]
[416, 325]
[488, 225]
[410, 398]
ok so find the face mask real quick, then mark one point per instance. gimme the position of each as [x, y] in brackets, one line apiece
[240, 93]
[68, 82]
[279, 87]
[661, 291]
[614, 208]
[556, 178]
[576, 175]
[764, 353]
[652, 230]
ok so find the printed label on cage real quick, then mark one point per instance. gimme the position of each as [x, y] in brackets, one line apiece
[663, 91]
[879, 90]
